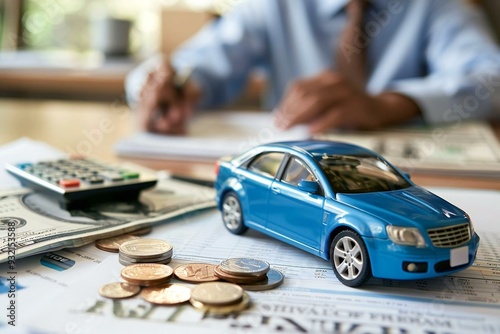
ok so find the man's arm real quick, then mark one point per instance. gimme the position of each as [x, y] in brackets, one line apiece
[463, 80]
[329, 101]
[463, 64]
[218, 59]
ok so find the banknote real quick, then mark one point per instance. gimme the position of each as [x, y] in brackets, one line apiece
[33, 223]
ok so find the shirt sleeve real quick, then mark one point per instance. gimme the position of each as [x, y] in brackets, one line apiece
[222, 55]
[463, 65]
[136, 78]
[219, 57]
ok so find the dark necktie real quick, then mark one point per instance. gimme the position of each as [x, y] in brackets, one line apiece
[351, 50]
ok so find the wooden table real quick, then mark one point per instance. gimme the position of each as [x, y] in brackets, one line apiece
[93, 129]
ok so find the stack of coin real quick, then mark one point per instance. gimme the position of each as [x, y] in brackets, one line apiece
[147, 274]
[219, 298]
[251, 274]
[242, 270]
[145, 251]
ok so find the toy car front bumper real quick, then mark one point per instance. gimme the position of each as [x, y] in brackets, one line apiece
[392, 261]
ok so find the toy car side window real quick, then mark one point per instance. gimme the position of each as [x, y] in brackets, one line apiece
[267, 163]
[296, 171]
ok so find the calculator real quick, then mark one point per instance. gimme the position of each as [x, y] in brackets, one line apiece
[77, 182]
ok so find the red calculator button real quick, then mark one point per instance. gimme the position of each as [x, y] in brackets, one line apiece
[68, 183]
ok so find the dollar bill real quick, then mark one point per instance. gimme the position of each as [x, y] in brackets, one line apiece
[33, 223]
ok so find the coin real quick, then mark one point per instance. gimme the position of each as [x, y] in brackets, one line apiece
[147, 274]
[221, 310]
[237, 279]
[128, 263]
[142, 231]
[119, 290]
[217, 293]
[145, 248]
[244, 267]
[157, 259]
[196, 272]
[274, 279]
[113, 244]
[168, 294]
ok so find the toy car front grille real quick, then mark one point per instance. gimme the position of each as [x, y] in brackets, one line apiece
[450, 236]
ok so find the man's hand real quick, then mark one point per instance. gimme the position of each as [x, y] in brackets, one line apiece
[166, 106]
[329, 101]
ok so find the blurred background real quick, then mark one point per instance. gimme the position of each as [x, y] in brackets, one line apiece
[82, 49]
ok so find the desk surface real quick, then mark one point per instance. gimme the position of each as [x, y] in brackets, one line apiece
[92, 129]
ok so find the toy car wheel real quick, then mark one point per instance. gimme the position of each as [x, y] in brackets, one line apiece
[350, 260]
[232, 214]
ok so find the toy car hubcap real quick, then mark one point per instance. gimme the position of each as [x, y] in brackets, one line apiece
[348, 258]
[232, 213]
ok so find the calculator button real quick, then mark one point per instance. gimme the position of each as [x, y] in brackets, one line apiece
[24, 165]
[95, 180]
[130, 175]
[68, 183]
[113, 177]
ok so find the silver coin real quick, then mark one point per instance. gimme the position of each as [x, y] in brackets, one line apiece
[127, 263]
[244, 267]
[148, 259]
[274, 279]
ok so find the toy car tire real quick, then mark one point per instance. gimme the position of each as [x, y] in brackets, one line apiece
[349, 258]
[232, 214]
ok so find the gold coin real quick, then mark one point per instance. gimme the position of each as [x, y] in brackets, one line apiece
[237, 279]
[196, 272]
[145, 248]
[221, 310]
[168, 294]
[142, 231]
[217, 293]
[119, 290]
[113, 244]
[147, 273]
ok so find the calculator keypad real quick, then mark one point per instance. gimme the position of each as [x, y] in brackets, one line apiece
[79, 182]
[73, 173]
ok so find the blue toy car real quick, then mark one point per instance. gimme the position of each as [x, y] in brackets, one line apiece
[345, 204]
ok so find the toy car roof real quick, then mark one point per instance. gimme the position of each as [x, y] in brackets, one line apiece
[321, 147]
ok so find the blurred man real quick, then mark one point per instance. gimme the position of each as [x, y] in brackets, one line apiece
[331, 64]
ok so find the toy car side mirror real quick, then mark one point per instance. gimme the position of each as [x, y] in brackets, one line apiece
[309, 186]
[407, 175]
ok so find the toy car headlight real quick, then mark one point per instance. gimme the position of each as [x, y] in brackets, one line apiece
[405, 236]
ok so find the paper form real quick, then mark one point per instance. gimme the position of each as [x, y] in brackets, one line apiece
[310, 301]
[210, 135]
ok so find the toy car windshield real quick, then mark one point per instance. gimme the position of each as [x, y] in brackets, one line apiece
[360, 174]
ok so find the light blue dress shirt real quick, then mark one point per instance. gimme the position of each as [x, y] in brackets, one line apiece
[438, 52]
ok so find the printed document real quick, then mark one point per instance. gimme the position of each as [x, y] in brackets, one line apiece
[311, 300]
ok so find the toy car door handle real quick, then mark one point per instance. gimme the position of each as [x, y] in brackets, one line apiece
[276, 190]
